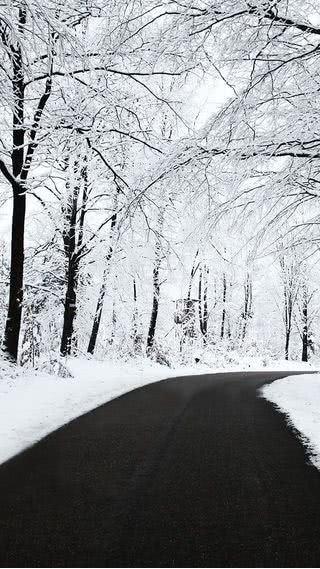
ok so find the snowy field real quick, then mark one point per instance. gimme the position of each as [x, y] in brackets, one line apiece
[33, 404]
[298, 397]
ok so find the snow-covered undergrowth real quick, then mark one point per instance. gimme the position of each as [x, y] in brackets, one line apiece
[33, 404]
[298, 397]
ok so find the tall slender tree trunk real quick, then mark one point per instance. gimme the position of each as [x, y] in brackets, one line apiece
[103, 287]
[192, 274]
[156, 287]
[287, 344]
[203, 301]
[247, 312]
[98, 312]
[13, 322]
[155, 308]
[70, 306]
[135, 319]
[21, 156]
[69, 238]
[224, 298]
[305, 331]
[73, 236]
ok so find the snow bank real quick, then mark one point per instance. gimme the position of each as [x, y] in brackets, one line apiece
[298, 397]
[34, 404]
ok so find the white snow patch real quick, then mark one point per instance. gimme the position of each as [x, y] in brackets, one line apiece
[34, 404]
[298, 397]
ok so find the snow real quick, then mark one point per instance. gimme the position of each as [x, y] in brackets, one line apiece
[33, 404]
[298, 397]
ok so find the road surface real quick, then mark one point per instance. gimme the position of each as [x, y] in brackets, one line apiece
[193, 472]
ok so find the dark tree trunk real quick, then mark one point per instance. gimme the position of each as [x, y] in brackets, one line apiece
[21, 163]
[73, 235]
[203, 301]
[224, 297]
[70, 306]
[200, 301]
[103, 290]
[69, 239]
[98, 313]
[13, 322]
[247, 312]
[156, 296]
[287, 344]
[305, 331]
[192, 274]
[135, 318]
[154, 312]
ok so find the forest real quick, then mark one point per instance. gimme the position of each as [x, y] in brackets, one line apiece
[160, 180]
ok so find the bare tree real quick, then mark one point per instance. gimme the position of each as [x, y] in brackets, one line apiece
[203, 301]
[156, 282]
[24, 145]
[291, 282]
[247, 307]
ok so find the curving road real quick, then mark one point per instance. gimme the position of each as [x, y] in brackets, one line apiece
[193, 472]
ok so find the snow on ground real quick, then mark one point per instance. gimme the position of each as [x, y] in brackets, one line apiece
[298, 397]
[33, 404]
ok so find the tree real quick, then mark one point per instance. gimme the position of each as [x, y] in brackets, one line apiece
[306, 313]
[203, 301]
[24, 145]
[103, 287]
[224, 301]
[291, 282]
[247, 307]
[158, 258]
[74, 212]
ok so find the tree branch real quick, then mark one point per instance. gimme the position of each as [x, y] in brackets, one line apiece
[102, 68]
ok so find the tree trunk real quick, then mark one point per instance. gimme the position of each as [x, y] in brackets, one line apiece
[103, 288]
[156, 289]
[286, 349]
[305, 331]
[247, 312]
[69, 238]
[70, 306]
[98, 313]
[21, 157]
[192, 274]
[114, 323]
[224, 297]
[135, 319]
[154, 312]
[203, 301]
[13, 322]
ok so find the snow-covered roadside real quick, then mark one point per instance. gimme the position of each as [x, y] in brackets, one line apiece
[298, 397]
[35, 404]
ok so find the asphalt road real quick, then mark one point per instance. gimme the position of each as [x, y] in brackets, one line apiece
[192, 472]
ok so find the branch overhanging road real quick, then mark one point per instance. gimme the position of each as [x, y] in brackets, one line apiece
[194, 472]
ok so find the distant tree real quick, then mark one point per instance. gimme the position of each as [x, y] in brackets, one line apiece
[247, 306]
[203, 301]
[291, 283]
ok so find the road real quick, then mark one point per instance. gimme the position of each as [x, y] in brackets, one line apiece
[188, 472]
